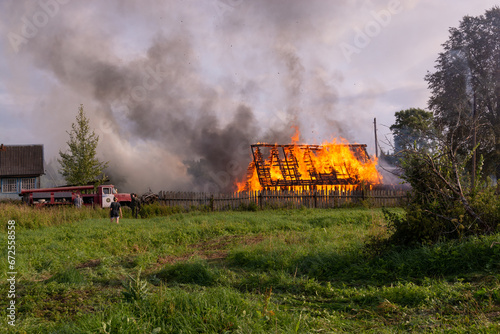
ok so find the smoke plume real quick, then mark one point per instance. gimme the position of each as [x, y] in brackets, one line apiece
[176, 91]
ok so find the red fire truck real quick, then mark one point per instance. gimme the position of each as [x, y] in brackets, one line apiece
[101, 196]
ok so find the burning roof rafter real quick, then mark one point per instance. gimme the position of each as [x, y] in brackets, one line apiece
[309, 166]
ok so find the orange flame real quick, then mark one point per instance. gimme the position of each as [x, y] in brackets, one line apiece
[296, 135]
[348, 164]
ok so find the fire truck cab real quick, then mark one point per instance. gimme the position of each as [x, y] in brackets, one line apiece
[101, 196]
[107, 196]
[107, 193]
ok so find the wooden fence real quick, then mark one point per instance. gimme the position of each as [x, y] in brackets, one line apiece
[283, 199]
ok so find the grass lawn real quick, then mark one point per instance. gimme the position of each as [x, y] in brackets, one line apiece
[270, 271]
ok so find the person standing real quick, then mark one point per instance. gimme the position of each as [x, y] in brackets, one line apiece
[136, 205]
[78, 201]
[115, 211]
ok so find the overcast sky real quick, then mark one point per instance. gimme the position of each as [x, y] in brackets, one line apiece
[169, 85]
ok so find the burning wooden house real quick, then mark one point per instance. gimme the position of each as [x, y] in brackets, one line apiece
[315, 167]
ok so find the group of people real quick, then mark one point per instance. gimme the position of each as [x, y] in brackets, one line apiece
[115, 209]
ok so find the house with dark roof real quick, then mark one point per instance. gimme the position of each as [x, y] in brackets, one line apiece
[20, 168]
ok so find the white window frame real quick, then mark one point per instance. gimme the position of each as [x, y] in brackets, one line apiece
[9, 186]
[28, 183]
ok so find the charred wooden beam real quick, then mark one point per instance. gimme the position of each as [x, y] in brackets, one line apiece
[283, 158]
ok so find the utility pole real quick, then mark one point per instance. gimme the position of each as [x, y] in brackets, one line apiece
[474, 142]
[376, 142]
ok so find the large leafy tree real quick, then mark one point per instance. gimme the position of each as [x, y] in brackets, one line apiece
[79, 164]
[465, 88]
[465, 96]
[413, 128]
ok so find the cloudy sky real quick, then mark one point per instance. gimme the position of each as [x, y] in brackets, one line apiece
[178, 90]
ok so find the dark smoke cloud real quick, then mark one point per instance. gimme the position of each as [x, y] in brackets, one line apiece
[180, 112]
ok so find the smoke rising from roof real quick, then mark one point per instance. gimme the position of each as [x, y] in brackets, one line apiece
[179, 91]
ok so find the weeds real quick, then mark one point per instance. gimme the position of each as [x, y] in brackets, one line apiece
[32, 217]
[191, 272]
[35, 217]
[135, 289]
[158, 210]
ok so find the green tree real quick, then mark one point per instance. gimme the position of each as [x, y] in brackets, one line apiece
[465, 88]
[413, 128]
[442, 204]
[465, 96]
[79, 165]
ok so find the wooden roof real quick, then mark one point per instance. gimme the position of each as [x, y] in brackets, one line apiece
[21, 160]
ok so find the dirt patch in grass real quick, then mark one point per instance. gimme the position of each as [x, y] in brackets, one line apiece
[214, 249]
[67, 304]
[89, 264]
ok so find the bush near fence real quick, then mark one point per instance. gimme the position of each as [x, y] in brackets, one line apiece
[253, 200]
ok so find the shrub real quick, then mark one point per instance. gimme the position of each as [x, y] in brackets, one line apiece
[252, 206]
[443, 203]
[431, 222]
[158, 210]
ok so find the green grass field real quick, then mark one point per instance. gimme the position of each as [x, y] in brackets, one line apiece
[271, 271]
